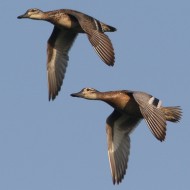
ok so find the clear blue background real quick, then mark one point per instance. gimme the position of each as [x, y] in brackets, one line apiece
[62, 144]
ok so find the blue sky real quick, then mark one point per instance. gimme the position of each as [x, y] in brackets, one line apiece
[62, 144]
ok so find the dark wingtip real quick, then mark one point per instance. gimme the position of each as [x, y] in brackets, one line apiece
[161, 138]
[51, 97]
[113, 180]
[111, 63]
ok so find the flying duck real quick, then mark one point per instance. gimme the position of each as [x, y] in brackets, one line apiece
[130, 107]
[67, 24]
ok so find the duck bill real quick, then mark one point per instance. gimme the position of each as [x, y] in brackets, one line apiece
[78, 94]
[23, 16]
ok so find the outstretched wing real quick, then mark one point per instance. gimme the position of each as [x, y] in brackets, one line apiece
[153, 116]
[103, 46]
[101, 43]
[58, 47]
[118, 128]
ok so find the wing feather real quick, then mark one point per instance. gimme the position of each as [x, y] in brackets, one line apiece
[101, 43]
[118, 128]
[58, 47]
[153, 116]
[103, 46]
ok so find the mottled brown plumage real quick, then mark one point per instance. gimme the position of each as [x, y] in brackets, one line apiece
[67, 24]
[130, 107]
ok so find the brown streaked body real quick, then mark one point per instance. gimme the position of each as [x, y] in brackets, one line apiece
[67, 24]
[130, 107]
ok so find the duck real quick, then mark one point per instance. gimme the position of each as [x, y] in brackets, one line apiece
[130, 107]
[67, 25]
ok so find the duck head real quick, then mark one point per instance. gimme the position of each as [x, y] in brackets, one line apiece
[33, 13]
[87, 93]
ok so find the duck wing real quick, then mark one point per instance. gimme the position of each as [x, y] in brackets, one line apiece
[103, 46]
[95, 32]
[58, 47]
[153, 116]
[118, 128]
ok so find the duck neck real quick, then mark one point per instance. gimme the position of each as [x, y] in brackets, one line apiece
[111, 98]
[51, 16]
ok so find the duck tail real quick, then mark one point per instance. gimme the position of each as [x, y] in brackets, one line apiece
[107, 28]
[172, 114]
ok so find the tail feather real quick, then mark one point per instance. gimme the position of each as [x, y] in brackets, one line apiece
[107, 28]
[172, 114]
